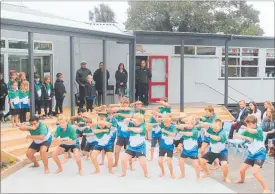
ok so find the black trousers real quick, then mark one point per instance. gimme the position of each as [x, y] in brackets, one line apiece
[231, 133]
[83, 142]
[99, 98]
[269, 136]
[89, 105]
[48, 105]
[23, 114]
[2, 107]
[59, 105]
[81, 96]
[38, 105]
[143, 93]
[136, 93]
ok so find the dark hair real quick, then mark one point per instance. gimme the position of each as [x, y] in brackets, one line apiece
[58, 75]
[218, 121]
[13, 82]
[81, 110]
[242, 101]
[255, 105]
[34, 118]
[251, 119]
[123, 67]
[100, 63]
[36, 76]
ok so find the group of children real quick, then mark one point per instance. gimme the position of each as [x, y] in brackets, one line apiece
[19, 96]
[107, 130]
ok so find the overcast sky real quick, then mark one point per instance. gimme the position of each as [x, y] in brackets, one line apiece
[79, 10]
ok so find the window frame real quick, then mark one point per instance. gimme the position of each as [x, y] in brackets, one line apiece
[196, 54]
[265, 66]
[241, 57]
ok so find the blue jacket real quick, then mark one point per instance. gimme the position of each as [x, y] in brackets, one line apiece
[268, 125]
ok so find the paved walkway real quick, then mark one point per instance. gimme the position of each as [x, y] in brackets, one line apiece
[29, 180]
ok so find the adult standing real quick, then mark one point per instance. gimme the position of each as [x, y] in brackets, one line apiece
[239, 121]
[143, 76]
[98, 78]
[121, 81]
[81, 79]
[3, 94]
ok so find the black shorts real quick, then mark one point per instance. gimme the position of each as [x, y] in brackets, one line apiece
[199, 144]
[253, 162]
[69, 147]
[154, 142]
[36, 147]
[177, 142]
[89, 147]
[14, 112]
[122, 142]
[210, 157]
[162, 153]
[135, 154]
[191, 157]
[110, 149]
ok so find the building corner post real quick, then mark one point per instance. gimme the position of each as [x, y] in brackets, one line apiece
[72, 73]
[182, 76]
[31, 73]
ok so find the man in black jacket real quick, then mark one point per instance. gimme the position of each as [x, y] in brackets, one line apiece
[143, 76]
[239, 121]
[98, 78]
[3, 94]
[81, 76]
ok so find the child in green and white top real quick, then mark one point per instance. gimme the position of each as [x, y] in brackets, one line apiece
[13, 95]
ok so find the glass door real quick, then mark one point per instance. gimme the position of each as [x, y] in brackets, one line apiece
[158, 88]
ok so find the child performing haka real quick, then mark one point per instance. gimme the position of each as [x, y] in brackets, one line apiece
[154, 121]
[69, 142]
[42, 140]
[190, 149]
[256, 151]
[217, 149]
[137, 145]
[167, 145]
[122, 132]
[103, 143]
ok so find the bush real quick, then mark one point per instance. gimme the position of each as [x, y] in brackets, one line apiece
[4, 164]
[11, 160]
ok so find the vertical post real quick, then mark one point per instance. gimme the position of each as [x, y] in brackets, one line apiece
[132, 69]
[72, 72]
[104, 97]
[182, 76]
[226, 74]
[31, 73]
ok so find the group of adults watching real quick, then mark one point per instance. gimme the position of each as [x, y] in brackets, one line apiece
[143, 76]
[265, 118]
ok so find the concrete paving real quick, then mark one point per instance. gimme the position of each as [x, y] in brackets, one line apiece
[32, 180]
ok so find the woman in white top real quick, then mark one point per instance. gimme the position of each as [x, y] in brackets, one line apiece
[267, 104]
[255, 111]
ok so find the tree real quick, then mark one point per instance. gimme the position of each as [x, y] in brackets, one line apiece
[103, 13]
[229, 17]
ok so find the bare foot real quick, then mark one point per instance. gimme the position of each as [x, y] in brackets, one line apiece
[227, 180]
[206, 175]
[214, 167]
[122, 175]
[101, 163]
[111, 172]
[150, 159]
[115, 165]
[147, 176]
[266, 191]
[181, 176]
[96, 171]
[161, 174]
[46, 171]
[87, 158]
[198, 179]
[58, 171]
[173, 176]
[81, 173]
[238, 182]
[132, 168]
[35, 165]
[64, 161]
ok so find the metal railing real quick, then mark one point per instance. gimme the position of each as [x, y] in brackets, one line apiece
[215, 90]
[241, 93]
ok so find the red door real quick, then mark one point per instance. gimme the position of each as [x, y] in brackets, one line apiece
[158, 87]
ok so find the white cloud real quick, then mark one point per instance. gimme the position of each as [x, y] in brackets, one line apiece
[79, 10]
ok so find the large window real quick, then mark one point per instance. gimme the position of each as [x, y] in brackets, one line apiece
[270, 63]
[43, 46]
[16, 44]
[196, 50]
[242, 62]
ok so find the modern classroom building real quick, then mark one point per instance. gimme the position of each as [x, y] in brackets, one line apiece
[251, 59]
